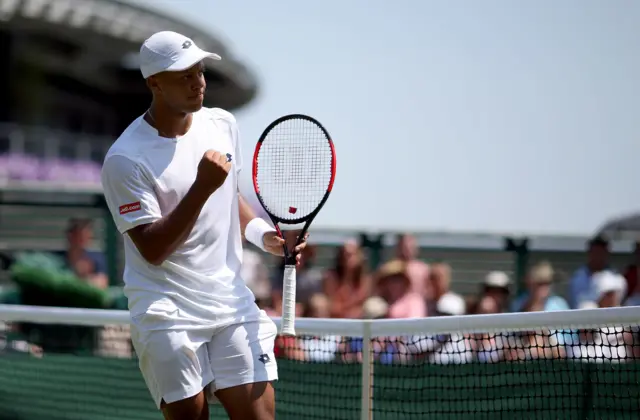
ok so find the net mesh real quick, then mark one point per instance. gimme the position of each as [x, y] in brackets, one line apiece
[294, 167]
[69, 372]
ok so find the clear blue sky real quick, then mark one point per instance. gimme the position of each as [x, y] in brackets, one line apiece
[488, 116]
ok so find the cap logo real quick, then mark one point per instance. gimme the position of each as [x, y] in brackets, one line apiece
[186, 44]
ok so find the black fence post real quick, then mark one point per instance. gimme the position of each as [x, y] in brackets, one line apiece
[374, 246]
[520, 247]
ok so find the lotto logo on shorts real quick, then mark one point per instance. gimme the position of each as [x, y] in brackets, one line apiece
[128, 208]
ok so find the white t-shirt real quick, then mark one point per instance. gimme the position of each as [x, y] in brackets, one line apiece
[144, 177]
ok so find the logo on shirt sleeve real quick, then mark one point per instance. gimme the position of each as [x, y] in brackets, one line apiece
[128, 208]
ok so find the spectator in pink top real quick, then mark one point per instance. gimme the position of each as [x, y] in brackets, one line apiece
[347, 284]
[394, 286]
[417, 271]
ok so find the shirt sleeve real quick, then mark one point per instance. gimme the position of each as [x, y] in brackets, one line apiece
[129, 194]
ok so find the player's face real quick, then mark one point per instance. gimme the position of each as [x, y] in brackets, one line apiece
[182, 90]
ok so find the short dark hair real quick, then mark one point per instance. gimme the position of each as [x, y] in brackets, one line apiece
[598, 240]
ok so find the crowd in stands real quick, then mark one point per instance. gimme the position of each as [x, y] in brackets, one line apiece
[406, 287]
[20, 167]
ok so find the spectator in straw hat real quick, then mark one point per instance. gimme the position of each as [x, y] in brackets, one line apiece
[395, 287]
[539, 295]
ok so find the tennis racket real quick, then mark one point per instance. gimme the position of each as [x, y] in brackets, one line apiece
[294, 166]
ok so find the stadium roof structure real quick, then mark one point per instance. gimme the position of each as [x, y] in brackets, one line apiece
[625, 227]
[98, 41]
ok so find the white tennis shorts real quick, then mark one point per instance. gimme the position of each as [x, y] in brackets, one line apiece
[178, 364]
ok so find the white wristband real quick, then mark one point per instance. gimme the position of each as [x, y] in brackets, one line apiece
[255, 231]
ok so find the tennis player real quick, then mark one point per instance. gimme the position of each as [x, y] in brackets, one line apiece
[171, 184]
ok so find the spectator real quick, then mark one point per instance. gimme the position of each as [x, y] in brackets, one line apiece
[547, 344]
[489, 347]
[496, 286]
[607, 344]
[90, 266]
[440, 281]
[394, 286]
[608, 289]
[322, 348]
[417, 271]
[597, 260]
[351, 347]
[347, 285]
[455, 348]
[539, 295]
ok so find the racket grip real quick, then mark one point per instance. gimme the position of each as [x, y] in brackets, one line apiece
[289, 300]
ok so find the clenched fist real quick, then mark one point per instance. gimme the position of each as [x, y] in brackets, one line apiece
[213, 170]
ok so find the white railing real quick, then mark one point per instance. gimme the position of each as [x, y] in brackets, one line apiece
[367, 329]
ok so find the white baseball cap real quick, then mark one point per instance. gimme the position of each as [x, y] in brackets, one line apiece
[170, 51]
[498, 279]
[451, 304]
[608, 281]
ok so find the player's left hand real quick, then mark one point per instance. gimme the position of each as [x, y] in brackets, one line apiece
[273, 243]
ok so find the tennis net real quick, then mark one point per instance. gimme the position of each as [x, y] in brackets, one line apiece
[76, 364]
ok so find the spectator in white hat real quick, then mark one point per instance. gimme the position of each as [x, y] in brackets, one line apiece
[496, 286]
[608, 289]
[606, 344]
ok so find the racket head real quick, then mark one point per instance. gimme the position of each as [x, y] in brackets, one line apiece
[294, 168]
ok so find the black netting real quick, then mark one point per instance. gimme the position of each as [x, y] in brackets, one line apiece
[63, 372]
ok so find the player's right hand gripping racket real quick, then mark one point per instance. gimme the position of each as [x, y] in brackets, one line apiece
[294, 166]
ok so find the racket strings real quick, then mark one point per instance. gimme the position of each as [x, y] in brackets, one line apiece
[294, 168]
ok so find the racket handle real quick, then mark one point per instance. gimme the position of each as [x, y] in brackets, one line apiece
[289, 300]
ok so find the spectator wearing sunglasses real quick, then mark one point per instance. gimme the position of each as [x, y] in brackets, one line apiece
[539, 295]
